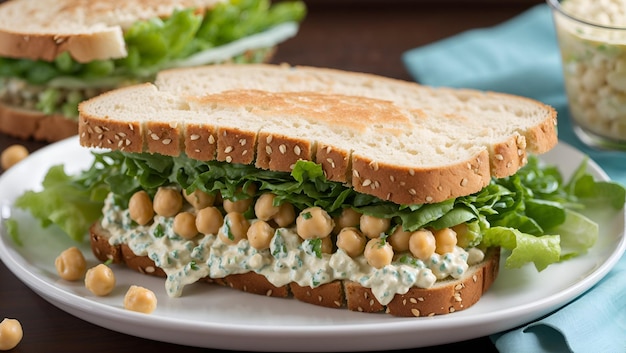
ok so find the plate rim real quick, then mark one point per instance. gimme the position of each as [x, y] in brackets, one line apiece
[84, 308]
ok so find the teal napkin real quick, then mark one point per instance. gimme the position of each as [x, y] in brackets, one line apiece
[521, 56]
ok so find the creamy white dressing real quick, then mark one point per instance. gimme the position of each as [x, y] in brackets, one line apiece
[289, 259]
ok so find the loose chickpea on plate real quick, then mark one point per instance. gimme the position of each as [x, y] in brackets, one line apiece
[140, 299]
[71, 264]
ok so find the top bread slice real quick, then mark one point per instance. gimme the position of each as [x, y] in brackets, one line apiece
[397, 140]
[88, 30]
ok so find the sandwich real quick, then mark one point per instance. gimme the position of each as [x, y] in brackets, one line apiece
[56, 53]
[340, 189]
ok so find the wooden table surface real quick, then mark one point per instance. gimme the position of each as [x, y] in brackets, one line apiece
[367, 36]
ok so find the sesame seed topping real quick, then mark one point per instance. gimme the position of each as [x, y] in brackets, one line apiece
[268, 293]
[154, 136]
[452, 309]
[366, 182]
[296, 150]
[244, 152]
[458, 286]
[411, 172]
[109, 141]
[268, 149]
[100, 137]
[415, 312]
[131, 127]
[331, 162]
[211, 139]
[356, 173]
[269, 139]
[150, 269]
[338, 304]
[167, 141]
[412, 192]
[120, 143]
[421, 299]
[499, 157]
[282, 148]
[392, 178]
[463, 182]
[228, 149]
[520, 152]
[121, 134]
[242, 142]
[229, 159]
[429, 199]
[474, 278]
[373, 165]
[98, 129]
[197, 150]
[376, 184]
[413, 300]
[194, 137]
[329, 149]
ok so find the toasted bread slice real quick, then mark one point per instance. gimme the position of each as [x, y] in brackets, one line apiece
[88, 30]
[444, 297]
[397, 140]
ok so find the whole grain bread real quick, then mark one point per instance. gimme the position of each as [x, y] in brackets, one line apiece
[88, 30]
[446, 296]
[397, 140]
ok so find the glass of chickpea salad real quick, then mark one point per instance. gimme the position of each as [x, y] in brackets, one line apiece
[592, 40]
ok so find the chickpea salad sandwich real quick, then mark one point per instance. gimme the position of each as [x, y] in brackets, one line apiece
[56, 53]
[339, 189]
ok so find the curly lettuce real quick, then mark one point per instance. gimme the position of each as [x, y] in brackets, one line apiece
[535, 214]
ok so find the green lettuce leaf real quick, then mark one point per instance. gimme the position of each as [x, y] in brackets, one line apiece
[534, 214]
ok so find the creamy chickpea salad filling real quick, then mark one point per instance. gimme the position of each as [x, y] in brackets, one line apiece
[594, 64]
[198, 235]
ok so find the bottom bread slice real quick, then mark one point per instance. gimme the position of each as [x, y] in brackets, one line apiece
[446, 296]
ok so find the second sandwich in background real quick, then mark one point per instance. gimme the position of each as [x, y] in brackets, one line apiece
[56, 53]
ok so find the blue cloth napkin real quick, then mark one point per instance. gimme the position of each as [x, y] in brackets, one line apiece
[521, 56]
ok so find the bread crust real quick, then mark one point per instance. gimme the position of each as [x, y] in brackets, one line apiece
[367, 172]
[86, 30]
[444, 298]
[27, 124]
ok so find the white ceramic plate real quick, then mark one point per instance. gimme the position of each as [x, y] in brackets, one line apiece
[217, 317]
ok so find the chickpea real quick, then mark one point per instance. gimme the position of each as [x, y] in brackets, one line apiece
[10, 334]
[351, 240]
[71, 264]
[327, 245]
[185, 225]
[242, 205]
[167, 202]
[286, 215]
[399, 239]
[462, 235]
[140, 208]
[209, 220]
[348, 218]
[314, 222]
[373, 227]
[11, 155]
[260, 235]
[235, 228]
[100, 280]
[140, 299]
[378, 253]
[446, 240]
[199, 199]
[264, 208]
[422, 244]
